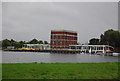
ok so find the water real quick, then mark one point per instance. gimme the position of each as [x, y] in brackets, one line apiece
[28, 57]
[0, 56]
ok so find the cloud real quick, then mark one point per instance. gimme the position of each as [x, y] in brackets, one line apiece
[27, 20]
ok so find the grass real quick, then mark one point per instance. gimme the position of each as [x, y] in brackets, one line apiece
[60, 71]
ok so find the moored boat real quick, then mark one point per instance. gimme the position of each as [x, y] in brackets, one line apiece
[116, 54]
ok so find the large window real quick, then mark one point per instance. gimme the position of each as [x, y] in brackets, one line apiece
[72, 47]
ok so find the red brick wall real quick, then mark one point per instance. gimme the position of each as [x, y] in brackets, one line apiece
[62, 41]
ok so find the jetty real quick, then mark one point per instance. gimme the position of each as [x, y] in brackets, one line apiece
[48, 51]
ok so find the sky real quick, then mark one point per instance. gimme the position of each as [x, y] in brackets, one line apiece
[119, 16]
[28, 20]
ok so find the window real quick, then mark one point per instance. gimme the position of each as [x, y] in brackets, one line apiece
[56, 42]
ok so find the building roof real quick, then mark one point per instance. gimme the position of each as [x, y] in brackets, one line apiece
[92, 45]
[36, 44]
[63, 31]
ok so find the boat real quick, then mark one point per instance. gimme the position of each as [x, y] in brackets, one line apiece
[116, 54]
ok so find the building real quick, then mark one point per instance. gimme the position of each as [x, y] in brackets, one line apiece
[37, 46]
[61, 39]
[92, 48]
[10, 47]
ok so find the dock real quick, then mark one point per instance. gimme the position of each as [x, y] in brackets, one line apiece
[48, 51]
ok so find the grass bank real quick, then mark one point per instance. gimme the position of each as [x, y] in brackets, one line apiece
[60, 71]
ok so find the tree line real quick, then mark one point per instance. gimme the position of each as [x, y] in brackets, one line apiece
[110, 37]
[19, 44]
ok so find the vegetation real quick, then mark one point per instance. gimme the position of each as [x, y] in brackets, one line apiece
[45, 42]
[6, 43]
[0, 44]
[18, 44]
[40, 42]
[110, 37]
[35, 41]
[60, 71]
[94, 41]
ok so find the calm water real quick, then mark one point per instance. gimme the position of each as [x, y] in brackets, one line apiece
[28, 57]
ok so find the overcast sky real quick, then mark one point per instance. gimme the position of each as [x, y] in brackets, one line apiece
[28, 20]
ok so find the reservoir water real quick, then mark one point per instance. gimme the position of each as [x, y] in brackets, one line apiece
[29, 57]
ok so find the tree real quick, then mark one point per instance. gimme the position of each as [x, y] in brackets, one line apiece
[101, 39]
[33, 41]
[40, 42]
[6, 43]
[0, 44]
[22, 43]
[16, 44]
[94, 41]
[45, 42]
[111, 37]
[12, 42]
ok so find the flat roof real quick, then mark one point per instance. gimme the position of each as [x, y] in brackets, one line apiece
[63, 31]
[91, 45]
[36, 44]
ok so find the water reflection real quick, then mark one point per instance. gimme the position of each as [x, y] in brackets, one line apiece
[28, 57]
[0, 56]
[63, 58]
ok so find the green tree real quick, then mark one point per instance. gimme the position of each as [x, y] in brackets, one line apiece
[21, 43]
[45, 42]
[94, 41]
[111, 37]
[0, 43]
[6, 43]
[101, 39]
[33, 41]
[17, 44]
[12, 42]
[40, 42]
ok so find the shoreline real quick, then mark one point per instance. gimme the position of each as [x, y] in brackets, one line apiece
[59, 62]
[48, 51]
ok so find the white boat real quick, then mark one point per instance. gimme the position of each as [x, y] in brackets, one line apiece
[116, 54]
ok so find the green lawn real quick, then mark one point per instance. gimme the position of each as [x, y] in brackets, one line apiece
[60, 71]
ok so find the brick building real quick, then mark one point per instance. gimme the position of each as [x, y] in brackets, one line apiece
[61, 39]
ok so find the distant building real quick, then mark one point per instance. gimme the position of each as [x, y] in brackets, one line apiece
[10, 47]
[61, 39]
[92, 48]
[37, 46]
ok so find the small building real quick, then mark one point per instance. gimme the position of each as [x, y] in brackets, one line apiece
[92, 48]
[10, 47]
[37, 46]
[61, 39]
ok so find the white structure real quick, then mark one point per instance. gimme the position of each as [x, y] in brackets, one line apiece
[92, 48]
[38, 46]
